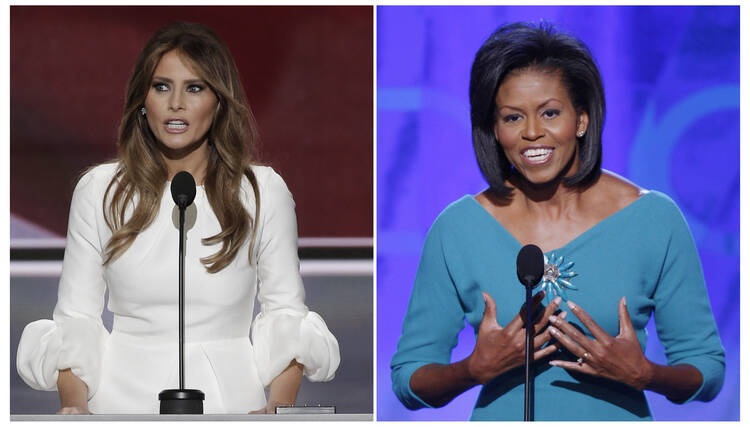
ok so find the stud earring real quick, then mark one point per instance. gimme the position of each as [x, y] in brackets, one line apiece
[143, 111]
[580, 134]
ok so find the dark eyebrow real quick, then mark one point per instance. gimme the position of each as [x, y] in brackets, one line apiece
[542, 105]
[168, 80]
[509, 106]
[547, 102]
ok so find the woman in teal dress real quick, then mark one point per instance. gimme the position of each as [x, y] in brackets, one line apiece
[614, 255]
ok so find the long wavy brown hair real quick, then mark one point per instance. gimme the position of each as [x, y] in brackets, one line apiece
[142, 173]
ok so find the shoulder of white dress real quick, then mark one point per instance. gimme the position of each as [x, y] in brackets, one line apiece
[268, 180]
[261, 170]
[107, 169]
[96, 178]
[263, 173]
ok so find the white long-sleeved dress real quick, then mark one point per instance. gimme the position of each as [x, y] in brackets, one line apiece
[229, 355]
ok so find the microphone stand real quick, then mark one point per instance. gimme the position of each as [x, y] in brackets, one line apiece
[530, 269]
[528, 388]
[182, 297]
[182, 400]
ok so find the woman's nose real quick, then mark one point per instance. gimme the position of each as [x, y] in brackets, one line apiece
[532, 131]
[176, 101]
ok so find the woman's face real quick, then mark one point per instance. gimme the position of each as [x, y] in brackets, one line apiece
[537, 125]
[180, 106]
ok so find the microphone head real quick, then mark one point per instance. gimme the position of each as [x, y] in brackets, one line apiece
[530, 265]
[183, 189]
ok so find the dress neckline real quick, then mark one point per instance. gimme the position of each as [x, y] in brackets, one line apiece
[571, 242]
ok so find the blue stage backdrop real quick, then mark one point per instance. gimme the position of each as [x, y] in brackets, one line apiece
[671, 77]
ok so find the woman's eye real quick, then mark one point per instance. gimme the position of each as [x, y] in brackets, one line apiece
[551, 113]
[161, 87]
[511, 118]
[195, 88]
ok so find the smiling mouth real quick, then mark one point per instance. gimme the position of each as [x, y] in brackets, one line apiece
[176, 125]
[537, 155]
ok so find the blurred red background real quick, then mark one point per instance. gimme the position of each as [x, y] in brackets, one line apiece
[307, 72]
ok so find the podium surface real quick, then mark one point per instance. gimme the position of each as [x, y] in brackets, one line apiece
[205, 417]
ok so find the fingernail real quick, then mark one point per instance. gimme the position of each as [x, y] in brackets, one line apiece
[553, 319]
[553, 330]
[557, 300]
[571, 305]
[564, 314]
[624, 301]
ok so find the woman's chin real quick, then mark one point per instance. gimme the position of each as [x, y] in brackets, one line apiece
[178, 149]
[176, 144]
[549, 174]
[539, 177]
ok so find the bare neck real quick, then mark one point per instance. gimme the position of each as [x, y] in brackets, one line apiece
[194, 161]
[551, 201]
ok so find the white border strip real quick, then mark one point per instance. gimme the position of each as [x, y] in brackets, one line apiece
[308, 268]
[33, 243]
[349, 267]
[35, 268]
[335, 242]
[304, 242]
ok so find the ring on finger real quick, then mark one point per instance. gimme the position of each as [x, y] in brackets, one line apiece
[581, 360]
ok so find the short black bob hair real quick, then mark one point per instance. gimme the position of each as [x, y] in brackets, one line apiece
[536, 46]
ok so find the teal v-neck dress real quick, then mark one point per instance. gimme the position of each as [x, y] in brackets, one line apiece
[644, 252]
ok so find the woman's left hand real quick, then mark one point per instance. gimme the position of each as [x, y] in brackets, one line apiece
[618, 358]
[283, 388]
[270, 408]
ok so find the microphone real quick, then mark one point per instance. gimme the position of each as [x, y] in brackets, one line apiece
[529, 268]
[182, 400]
[530, 265]
[183, 189]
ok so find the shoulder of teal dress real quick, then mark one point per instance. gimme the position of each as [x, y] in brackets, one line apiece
[659, 203]
[455, 215]
[659, 216]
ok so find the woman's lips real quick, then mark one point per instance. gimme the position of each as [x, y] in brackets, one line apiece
[535, 156]
[176, 126]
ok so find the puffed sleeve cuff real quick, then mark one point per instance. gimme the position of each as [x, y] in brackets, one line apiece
[285, 335]
[47, 347]
[401, 377]
[712, 370]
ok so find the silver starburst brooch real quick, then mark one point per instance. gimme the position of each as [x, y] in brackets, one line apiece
[557, 277]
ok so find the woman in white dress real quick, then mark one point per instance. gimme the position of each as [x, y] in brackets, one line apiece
[185, 109]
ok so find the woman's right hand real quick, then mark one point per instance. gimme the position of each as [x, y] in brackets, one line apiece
[73, 394]
[500, 349]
